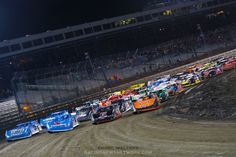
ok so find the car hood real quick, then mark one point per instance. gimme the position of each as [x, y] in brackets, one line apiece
[144, 103]
[19, 131]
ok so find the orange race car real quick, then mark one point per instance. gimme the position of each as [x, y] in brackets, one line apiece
[193, 68]
[146, 103]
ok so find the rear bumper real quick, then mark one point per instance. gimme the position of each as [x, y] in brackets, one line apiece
[107, 119]
[190, 84]
[229, 67]
[17, 138]
[154, 107]
[81, 119]
[60, 130]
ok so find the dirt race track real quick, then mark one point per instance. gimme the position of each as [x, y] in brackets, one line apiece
[147, 134]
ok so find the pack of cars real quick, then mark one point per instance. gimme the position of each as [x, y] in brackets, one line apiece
[137, 98]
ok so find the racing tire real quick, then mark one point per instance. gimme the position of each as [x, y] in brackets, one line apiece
[134, 110]
[90, 116]
[92, 119]
[212, 74]
[95, 123]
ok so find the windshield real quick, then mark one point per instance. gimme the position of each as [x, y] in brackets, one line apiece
[22, 125]
[83, 111]
[57, 113]
[64, 117]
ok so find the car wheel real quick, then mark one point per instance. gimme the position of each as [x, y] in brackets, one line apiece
[90, 116]
[134, 109]
[92, 119]
[30, 134]
[212, 74]
[95, 123]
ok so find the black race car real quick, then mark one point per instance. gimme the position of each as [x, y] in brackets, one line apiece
[105, 114]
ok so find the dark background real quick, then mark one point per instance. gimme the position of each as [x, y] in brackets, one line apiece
[21, 17]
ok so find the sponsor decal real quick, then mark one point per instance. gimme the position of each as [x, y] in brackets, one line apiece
[56, 125]
[16, 132]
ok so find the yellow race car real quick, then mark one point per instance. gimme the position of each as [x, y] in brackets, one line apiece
[136, 86]
[191, 80]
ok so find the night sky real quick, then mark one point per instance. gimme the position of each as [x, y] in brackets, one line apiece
[21, 17]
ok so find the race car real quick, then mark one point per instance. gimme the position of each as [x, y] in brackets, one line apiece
[146, 103]
[105, 114]
[128, 95]
[117, 93]
[161, 92]
[136, 86]
[83, 113]
[140, 93]
[43, 121]
[211, 72]
[153, 84]
[208, 65]
[65, 122]
[23, 130]
[179, 77]
[105, 102]
[114, 97]
[221, 61]
[110, 99]
[174, 88]
[193, 68]
[124, 105]
[191, 80]
[230, 64]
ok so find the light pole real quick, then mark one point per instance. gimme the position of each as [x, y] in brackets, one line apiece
[105, 76]
[87, 56]
[203, 38]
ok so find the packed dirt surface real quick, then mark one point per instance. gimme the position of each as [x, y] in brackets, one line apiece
[213, 99]
[147, 134]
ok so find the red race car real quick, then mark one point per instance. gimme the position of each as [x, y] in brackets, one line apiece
[110, 99]
[230, 64]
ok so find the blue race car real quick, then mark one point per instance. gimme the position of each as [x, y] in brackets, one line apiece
[156, 83]
[65, 122]
[43, 121]
[23, 130]
[83, 113]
